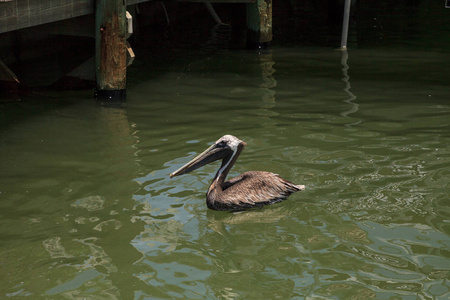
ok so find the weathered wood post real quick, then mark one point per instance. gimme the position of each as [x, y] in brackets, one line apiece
[110, 49]
[259, 24]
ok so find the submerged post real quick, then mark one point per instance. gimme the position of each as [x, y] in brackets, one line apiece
[259, 24]
[110, 49]
[345, 24]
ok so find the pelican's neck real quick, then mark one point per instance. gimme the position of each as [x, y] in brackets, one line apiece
[227, 164]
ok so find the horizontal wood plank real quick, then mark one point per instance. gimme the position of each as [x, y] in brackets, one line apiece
[19, 14]
[23, 13]
[220, 1]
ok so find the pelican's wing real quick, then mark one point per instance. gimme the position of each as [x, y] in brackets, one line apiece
[257, 188]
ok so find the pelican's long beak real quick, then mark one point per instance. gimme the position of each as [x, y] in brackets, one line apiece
[211, 154]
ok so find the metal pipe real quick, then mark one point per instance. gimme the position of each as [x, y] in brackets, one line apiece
[213, 13]
[165, 12]
[345, 24]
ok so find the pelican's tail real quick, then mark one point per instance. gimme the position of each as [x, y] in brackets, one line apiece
[300, 187]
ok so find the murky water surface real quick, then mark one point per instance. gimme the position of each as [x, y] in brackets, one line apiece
[88, 210]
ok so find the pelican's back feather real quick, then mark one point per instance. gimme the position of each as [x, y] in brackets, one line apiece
[251, 189]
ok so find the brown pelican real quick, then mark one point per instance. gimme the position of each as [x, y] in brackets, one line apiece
[250, 189]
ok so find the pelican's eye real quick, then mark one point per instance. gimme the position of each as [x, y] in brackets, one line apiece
[222, 144]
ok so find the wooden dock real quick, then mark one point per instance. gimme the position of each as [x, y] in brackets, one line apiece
[19, 14]
[110, 30]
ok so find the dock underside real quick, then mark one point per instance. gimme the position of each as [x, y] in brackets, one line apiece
[24, 23]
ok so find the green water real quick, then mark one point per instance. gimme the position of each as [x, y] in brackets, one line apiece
[88, 210]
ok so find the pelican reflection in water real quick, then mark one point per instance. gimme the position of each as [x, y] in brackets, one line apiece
[250, 189]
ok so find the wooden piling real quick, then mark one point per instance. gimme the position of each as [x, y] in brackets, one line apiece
[259, 24]
[110, 49]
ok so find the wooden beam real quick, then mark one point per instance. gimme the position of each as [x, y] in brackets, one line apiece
[220, 1]
[21, 14]
[9, 82]
[110, 47]
[80, 26]
[6, 74]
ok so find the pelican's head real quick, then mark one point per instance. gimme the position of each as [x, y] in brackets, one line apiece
[225, 147]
